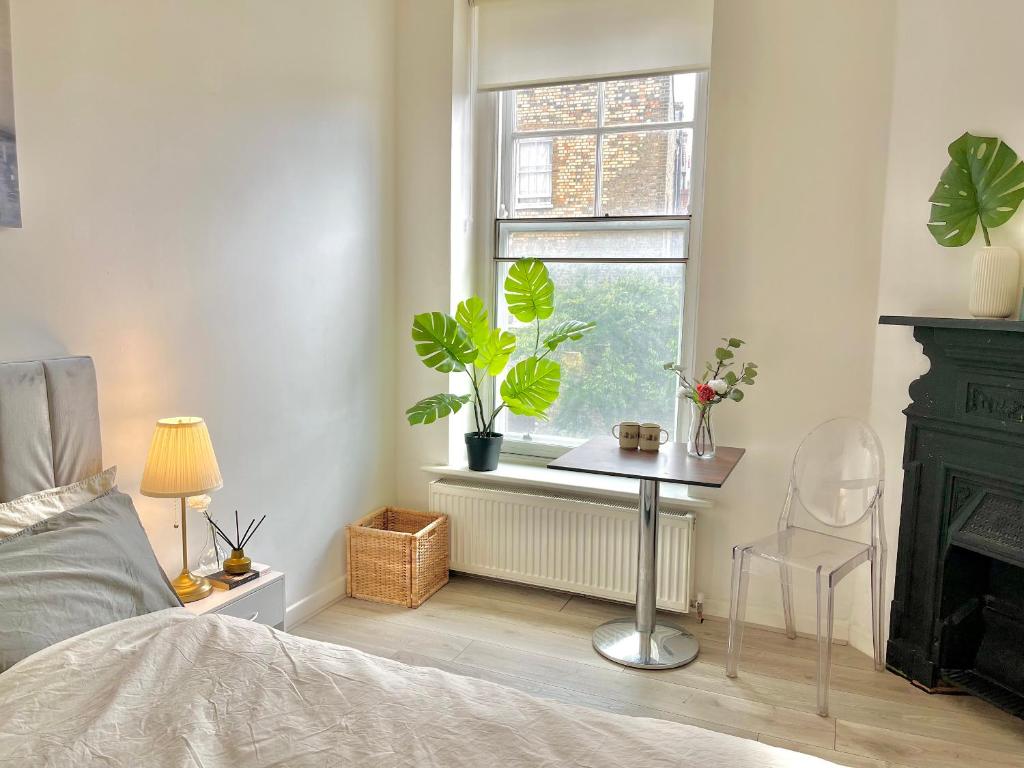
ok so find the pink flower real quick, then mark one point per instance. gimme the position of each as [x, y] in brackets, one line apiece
[705, 394]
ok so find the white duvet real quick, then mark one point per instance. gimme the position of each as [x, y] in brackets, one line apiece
[172, 690]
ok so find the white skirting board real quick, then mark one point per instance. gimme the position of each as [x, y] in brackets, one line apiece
[312, 604]
[562, 541]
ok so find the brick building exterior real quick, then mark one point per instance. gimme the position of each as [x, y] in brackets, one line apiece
[640, 172]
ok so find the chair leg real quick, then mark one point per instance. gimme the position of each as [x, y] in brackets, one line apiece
[824, 615]
[737, 609]
[786, 575]
[878, 607]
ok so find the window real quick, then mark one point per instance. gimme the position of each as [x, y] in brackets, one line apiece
[598, 180]
[533, 174]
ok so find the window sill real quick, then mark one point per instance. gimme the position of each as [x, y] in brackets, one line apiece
[673, 497]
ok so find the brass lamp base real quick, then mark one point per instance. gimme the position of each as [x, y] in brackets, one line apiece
[191, 588]
[188, 586]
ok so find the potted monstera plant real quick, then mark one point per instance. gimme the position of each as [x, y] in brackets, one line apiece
[468, 344]
[983, 184]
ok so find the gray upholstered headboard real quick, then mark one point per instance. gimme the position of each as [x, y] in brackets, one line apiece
[49, 425]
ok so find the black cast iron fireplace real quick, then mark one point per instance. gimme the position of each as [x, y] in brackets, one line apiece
[957, 618]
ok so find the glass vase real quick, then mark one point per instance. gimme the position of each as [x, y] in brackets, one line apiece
[212, 554]
[700, 441]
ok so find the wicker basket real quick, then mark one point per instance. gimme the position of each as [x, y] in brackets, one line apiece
[397, 556]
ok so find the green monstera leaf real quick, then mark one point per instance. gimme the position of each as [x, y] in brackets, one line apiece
[984, 180]
[441, 343]
[472, 318]
[529, 292]
[531, 387]
[567, 330]
[430, 409]
[495, 351]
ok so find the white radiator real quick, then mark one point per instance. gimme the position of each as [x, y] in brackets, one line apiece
[562, 542]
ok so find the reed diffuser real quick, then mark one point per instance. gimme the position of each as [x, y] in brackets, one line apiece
[237, 564]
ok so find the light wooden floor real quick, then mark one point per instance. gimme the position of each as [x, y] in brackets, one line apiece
[539, 641]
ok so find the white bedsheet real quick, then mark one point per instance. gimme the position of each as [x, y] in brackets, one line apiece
[172, 690]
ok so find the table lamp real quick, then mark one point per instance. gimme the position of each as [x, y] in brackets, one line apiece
[181, 463]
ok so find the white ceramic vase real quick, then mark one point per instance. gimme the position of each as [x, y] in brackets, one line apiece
[995, 278]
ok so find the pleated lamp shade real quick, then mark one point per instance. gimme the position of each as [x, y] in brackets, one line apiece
[181, 461]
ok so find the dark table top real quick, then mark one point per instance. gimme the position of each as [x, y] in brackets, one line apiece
[672, 464]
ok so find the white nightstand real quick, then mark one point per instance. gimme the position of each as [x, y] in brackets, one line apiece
[261, 600]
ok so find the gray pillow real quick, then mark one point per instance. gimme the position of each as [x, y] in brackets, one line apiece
[75, 571]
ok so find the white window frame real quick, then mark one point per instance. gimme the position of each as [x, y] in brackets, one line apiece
[541, 202]
[496, 134]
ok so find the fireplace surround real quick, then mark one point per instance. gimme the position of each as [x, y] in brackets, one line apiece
[957, 615]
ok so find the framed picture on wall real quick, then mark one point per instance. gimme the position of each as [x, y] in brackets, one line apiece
[10, 197]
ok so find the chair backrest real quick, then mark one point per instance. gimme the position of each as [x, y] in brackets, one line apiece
[837, 482]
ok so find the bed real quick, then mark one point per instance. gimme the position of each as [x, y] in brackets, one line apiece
[166, 688]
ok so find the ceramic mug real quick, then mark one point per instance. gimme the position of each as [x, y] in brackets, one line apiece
[650, 436]
[628, 434]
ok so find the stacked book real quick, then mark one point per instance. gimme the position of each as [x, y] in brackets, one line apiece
[222, 580]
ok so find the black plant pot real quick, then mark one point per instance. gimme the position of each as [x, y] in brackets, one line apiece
[483, 450]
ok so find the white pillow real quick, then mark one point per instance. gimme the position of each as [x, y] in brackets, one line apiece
[34, 507]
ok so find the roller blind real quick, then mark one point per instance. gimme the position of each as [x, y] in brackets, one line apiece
[528, 42]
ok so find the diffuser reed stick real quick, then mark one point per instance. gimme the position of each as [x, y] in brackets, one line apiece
[240, 539]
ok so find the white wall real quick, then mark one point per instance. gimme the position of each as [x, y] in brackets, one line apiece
[797, 126]
[207, 200]
[433, 226]
[947, 81]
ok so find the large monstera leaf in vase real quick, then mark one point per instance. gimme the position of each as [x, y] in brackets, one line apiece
[982, 185]
[984, 182]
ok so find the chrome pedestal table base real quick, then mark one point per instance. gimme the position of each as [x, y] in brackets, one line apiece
[666, 647]
[642, 642]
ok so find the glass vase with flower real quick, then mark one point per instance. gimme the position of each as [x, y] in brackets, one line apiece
[213, 553]
[718, 382]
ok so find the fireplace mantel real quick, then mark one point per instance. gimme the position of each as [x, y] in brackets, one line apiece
[957, 616]
[964, 323]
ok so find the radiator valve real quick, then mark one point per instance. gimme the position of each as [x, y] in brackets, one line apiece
[700, 607]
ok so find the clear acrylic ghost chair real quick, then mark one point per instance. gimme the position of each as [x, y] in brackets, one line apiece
[830, 524]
